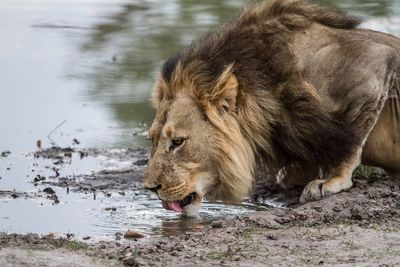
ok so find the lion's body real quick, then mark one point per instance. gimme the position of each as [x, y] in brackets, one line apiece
[287, 87]
[382, 147]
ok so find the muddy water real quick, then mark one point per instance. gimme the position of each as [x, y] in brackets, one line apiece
[96, 213]
[83, 69]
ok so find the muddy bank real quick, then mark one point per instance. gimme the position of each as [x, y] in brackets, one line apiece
[33, 250]
[120, 180]
[357, 227]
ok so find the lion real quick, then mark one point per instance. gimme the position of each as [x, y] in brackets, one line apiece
[287, 88]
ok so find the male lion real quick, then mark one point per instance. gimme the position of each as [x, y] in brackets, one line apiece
[287, 87]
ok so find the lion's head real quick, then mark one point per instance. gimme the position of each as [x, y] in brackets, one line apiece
[198, 148]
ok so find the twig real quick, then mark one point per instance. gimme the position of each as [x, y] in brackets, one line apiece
[52, 131]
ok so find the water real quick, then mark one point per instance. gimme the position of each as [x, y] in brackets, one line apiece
[92, 63]
[98, 215]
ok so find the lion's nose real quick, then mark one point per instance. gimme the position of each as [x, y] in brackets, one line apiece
[154, 189]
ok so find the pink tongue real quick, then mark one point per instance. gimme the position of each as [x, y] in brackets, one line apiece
[172, 206]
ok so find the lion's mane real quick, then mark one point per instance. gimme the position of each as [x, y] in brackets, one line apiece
[278, 120]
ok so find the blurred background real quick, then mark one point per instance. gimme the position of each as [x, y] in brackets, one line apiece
[88, 66]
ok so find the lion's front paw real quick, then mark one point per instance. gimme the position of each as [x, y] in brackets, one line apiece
[313, 191]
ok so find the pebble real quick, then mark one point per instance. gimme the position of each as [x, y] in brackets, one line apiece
[217, 224]
[5, 154]
[111, 208]
[131, 261]
[49, 190]
[39, 178]
[133, 234]
[318, 208]
[118, 236]
[86, 237]
[337, 209]
[272, 237]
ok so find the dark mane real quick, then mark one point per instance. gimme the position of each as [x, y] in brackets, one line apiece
[257, 43]
[266, 18]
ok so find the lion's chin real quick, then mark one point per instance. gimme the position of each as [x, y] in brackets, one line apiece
[192, 209]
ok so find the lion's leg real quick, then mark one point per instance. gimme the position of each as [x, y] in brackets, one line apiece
[368, 99]
[339, 180]
[295, 176]
[339, 177]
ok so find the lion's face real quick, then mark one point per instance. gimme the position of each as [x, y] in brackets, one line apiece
[181, 170]
[199, 149]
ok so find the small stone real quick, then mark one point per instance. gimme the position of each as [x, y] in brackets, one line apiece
[118, 236]
[49, 190]
[141, 162]
[337, 209]
[230, 229]
[86, 237]
[111, 208]
[133, 234]
[39, 178]
[217, 224]
[5, 154]
[131, 261]
[318, 208]
[127, 255]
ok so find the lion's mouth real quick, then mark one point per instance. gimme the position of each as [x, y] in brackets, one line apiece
[178, 206]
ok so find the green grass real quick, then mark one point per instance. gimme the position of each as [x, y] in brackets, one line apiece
[219, 255]
[75, 245]
[364, 171]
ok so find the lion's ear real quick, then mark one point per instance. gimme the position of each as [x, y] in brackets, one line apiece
[225, 92]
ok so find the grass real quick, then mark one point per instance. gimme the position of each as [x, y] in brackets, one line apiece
[219, 255]
[364, 171]
[75, 245]
[251, 230]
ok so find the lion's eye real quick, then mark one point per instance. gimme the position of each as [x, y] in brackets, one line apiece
[176, 142]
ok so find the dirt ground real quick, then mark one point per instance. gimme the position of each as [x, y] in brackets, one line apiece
[360, 227]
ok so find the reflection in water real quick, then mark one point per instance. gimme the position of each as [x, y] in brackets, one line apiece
[130, 45]
[370, 8]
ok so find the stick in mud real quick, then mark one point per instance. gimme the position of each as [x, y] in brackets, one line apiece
[52, 131]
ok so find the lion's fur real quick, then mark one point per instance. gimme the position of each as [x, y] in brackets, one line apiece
[246, 81]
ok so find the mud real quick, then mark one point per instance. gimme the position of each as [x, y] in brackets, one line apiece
[105, 180]
[358, 227]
